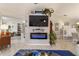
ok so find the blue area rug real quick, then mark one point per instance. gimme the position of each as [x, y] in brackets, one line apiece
[38, 52]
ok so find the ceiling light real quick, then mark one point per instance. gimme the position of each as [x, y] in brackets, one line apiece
[77, 23]
[35, 3]
[65, 15]
[23, 21]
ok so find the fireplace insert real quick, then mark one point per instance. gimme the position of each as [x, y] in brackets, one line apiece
[38, 35]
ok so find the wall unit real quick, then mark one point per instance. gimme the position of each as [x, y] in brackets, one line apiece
[38, 24]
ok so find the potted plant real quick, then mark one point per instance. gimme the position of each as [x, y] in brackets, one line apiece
[52, 38]
[48, 12]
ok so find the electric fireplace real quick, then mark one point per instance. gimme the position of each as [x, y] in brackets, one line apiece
[38, 36]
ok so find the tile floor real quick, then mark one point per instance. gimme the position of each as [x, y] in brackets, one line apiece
[18, 44]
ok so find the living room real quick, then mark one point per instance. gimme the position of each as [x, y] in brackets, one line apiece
[29, 26]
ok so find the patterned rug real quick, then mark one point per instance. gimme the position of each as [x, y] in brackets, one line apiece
[38, 52]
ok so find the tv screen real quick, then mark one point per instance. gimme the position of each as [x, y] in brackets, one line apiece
[38, 35]
[38, 20]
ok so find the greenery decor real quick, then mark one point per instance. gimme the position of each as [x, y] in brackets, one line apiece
[52, 34]
[48, 11]
[52, 37]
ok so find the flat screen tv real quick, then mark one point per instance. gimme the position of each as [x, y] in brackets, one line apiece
[38, 20]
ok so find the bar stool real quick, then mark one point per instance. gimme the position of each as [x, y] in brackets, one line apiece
[2, 40]
[8, 42]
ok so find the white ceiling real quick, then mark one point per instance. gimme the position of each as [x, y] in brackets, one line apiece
[20, 10]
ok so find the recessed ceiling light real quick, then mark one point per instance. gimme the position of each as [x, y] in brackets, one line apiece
[65, 15]
[35, 3]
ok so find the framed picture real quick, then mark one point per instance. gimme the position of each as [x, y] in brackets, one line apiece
[56, 26]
